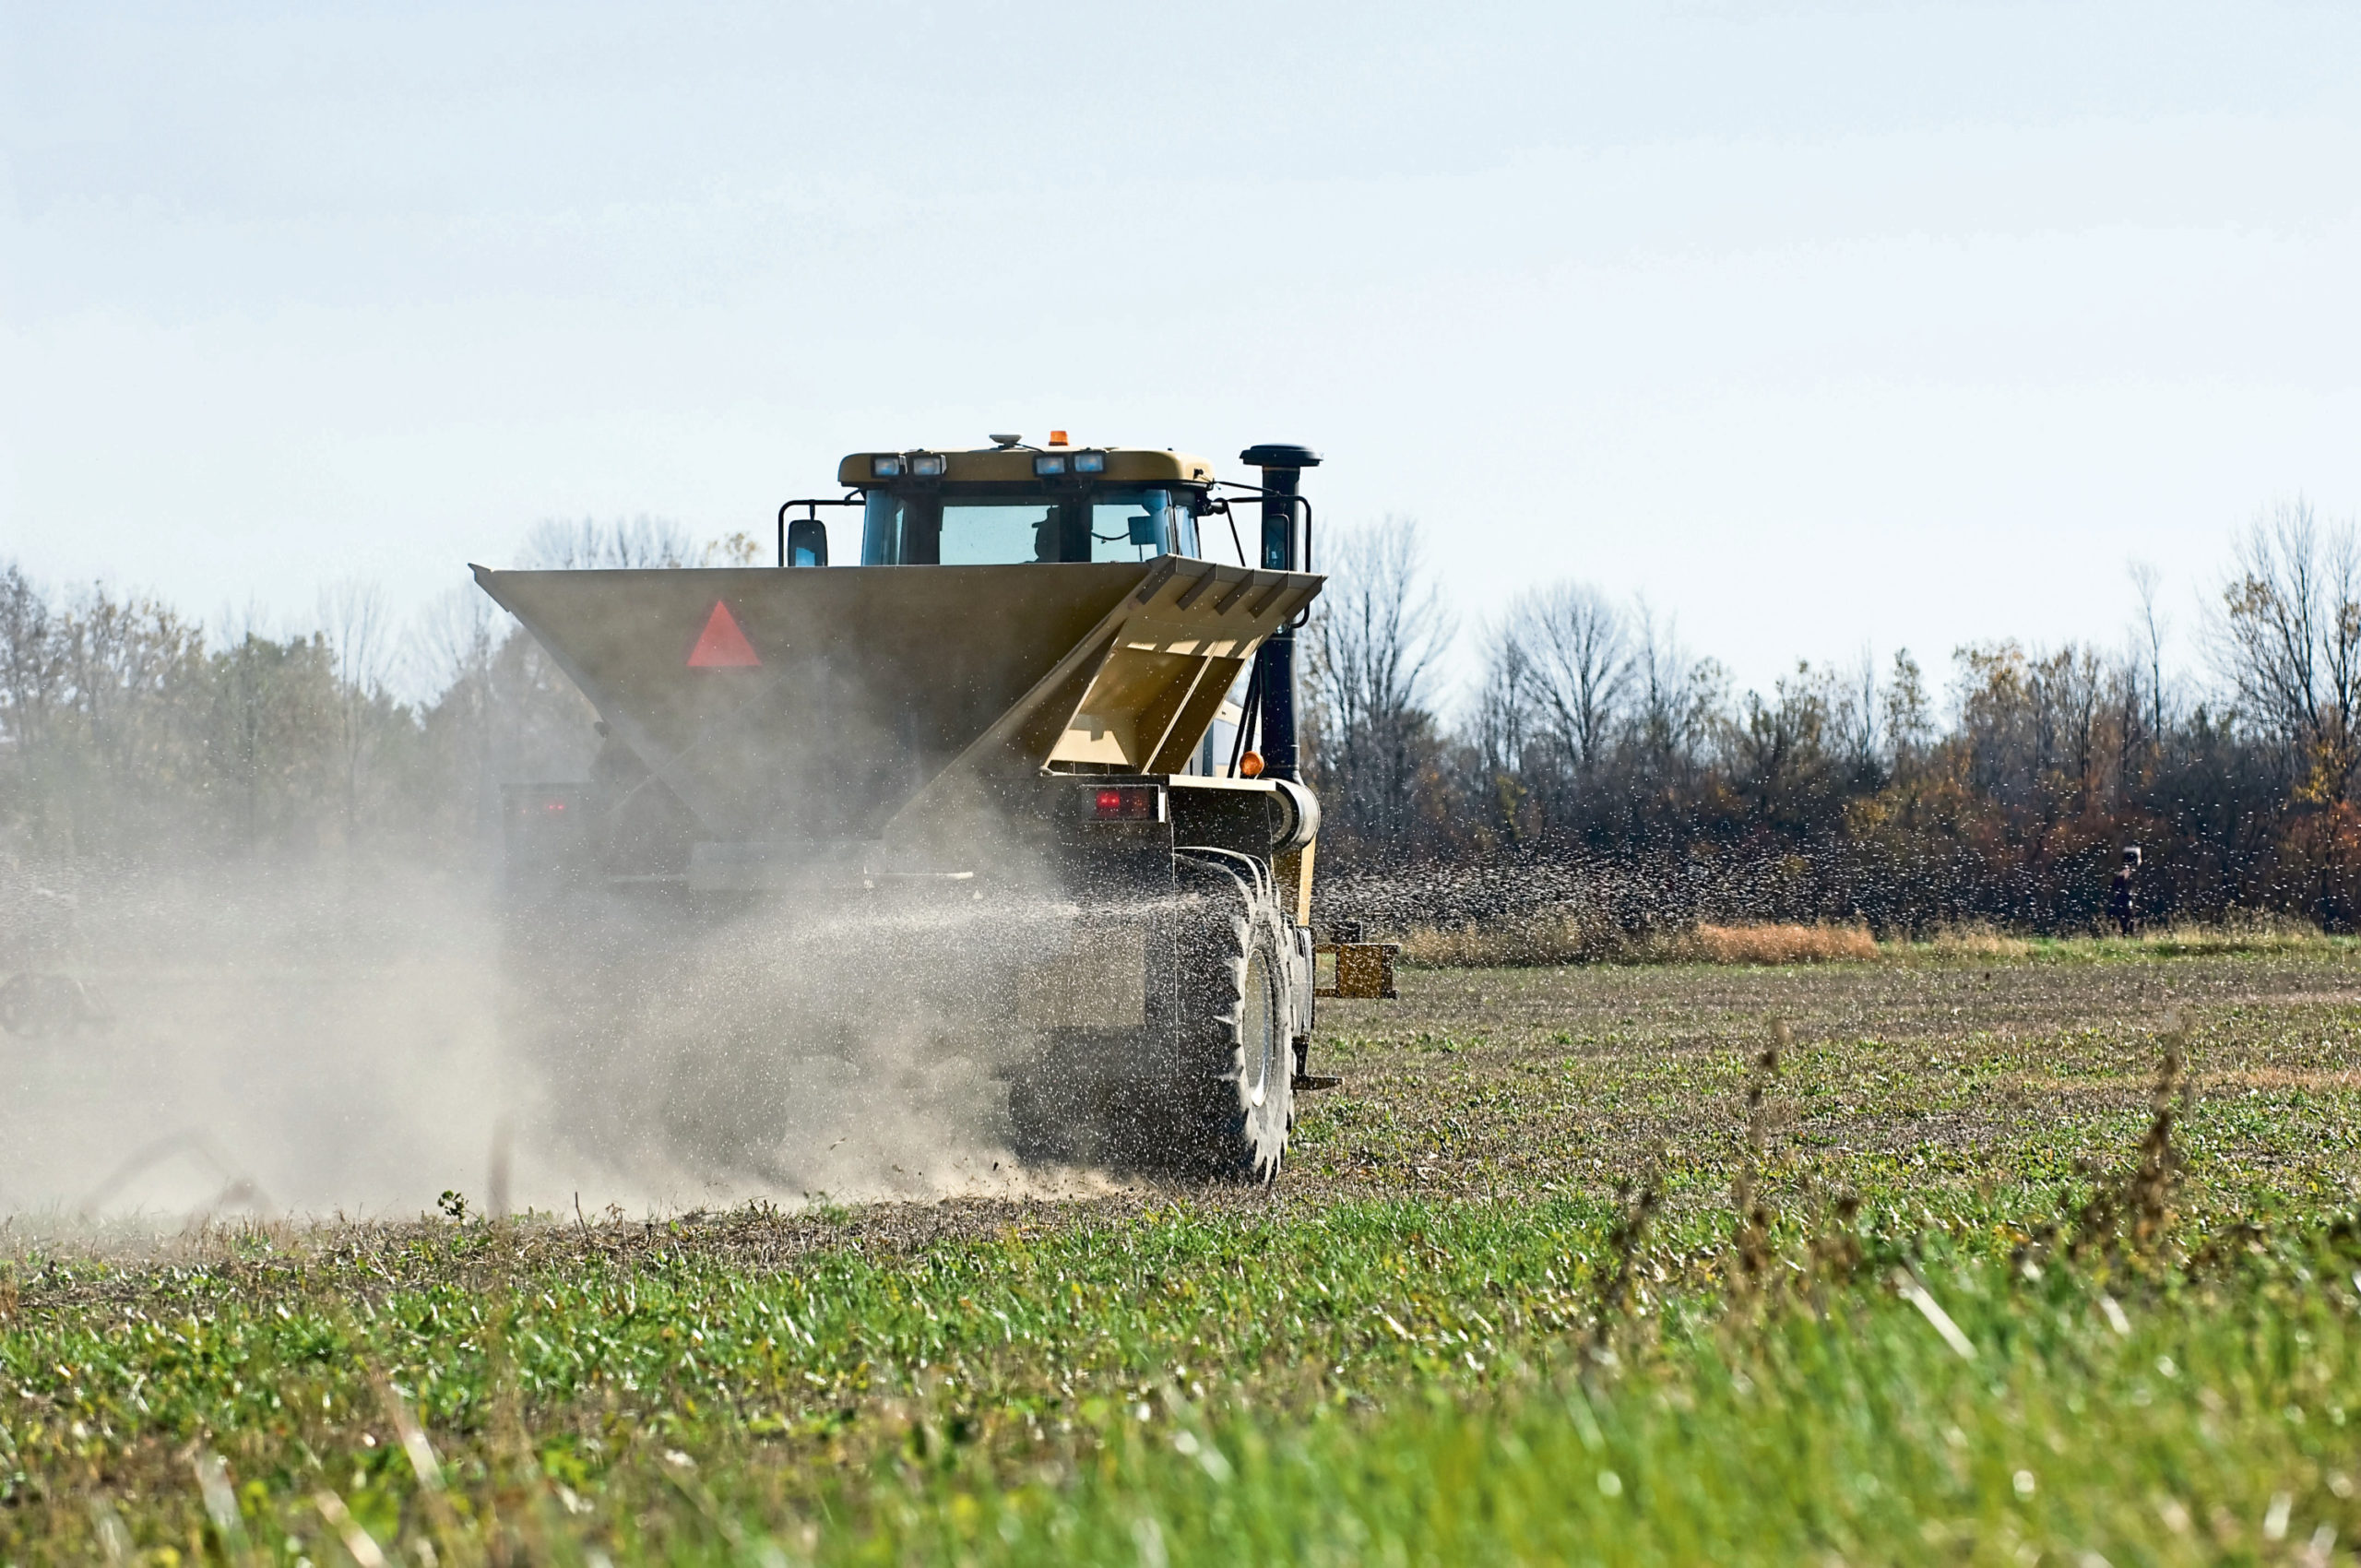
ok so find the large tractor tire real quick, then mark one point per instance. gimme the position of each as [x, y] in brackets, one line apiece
[1240, 993]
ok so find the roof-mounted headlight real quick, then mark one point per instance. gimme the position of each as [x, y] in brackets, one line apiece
[1090, 462]
[884, 467]
[1046, 465]
[926, 465]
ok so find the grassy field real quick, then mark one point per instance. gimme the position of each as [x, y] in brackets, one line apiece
[1563, 1271]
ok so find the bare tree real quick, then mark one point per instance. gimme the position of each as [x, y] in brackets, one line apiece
[452, 647]
[2069, 687]
[1853, 715]
[1909, 713]
[453, 640]
[1579, 649]
[554, 544]
[1503, 738]
[353, 614]
[1504, 701]
[1375, 641]
[28, 659]
[2288, 640]
[2148, 628]
[1678, 698]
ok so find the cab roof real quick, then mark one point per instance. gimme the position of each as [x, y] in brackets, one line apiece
[1014, 464]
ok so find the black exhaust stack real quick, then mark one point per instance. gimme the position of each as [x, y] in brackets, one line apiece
[1274, 668]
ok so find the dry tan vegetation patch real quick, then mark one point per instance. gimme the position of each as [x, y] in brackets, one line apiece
[1977, 941]
[1784, 943]
[1521, 943]
[1531, 941]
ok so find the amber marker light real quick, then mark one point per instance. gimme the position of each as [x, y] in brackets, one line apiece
[1250, 765]
[1057, 438]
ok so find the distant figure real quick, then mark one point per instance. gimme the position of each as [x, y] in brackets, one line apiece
[2122, 900]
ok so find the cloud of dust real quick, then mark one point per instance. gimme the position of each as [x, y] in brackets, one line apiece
[849, 1041]
[359, 1036]
[361, 1033]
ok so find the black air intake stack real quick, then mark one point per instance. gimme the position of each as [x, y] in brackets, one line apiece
[1275, 671]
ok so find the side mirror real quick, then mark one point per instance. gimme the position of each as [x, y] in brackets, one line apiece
[807, 542]
[1148, 528]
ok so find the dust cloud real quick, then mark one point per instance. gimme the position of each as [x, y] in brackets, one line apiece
[360, 1038]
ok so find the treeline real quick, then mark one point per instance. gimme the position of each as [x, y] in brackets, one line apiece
[1598, 764]
[128, 733]
[1595, 764]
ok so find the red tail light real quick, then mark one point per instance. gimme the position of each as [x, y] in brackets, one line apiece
[1127, 803]
[536, 803]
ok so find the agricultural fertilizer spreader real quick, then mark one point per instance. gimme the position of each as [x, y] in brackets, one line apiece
[1036, 693]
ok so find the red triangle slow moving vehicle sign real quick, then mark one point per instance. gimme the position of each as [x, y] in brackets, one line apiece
[721, 646]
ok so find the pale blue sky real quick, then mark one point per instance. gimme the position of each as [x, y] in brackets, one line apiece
[1821, 325]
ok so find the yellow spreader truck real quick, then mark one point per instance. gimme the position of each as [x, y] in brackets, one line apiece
[1040, 685]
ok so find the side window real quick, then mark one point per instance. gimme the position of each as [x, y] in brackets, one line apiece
[899, 530]
[881, 529]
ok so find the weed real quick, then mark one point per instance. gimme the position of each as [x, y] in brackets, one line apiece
[2134, 1210]
[1637, 1204]
[1750, 1248]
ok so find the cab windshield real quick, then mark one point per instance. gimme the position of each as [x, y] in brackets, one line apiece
[1113, 523]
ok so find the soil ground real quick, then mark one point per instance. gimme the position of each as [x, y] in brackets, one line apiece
[1442, 1278]
[1507, 1082]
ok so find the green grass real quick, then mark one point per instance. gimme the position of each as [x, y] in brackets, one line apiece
[1859, 1434]
[1376, 1381]
[1416, 1357]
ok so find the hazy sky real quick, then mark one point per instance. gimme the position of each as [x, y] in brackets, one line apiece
[1822, 326]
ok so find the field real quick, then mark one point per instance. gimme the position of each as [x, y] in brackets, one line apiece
[2018, 1256]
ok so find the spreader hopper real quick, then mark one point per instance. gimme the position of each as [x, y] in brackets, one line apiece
[812, 707]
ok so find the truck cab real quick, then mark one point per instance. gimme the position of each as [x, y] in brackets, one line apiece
[1015, 505]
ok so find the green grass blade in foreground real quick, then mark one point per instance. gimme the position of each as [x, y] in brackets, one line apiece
[2221, 1428]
